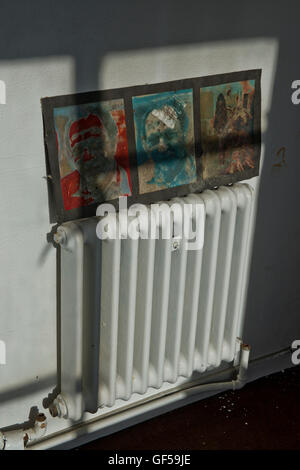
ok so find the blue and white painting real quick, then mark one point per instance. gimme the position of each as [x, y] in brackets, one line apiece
[164, 135]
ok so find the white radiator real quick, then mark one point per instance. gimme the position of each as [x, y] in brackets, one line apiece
[137, 315]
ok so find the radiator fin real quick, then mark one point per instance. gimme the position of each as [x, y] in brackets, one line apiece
[111, 257]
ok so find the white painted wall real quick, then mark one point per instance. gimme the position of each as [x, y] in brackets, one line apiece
[28, 264]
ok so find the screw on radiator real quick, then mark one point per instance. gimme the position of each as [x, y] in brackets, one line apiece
[175, 245]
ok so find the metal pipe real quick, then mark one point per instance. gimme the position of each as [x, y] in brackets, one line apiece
[59, 406]
[236, 384]
[17, 439]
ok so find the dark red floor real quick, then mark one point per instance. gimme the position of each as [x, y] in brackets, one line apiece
[263, 415]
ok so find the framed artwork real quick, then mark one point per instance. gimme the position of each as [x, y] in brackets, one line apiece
[230, 130]
[150, 142]
[164, 137]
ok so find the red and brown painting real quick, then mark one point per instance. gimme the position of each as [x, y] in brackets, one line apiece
[93, 152]
[227, 128]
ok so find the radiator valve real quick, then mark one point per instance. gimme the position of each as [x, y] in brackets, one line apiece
[60, 236]
[58, 408]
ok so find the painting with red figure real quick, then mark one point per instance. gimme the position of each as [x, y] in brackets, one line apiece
[92, 152]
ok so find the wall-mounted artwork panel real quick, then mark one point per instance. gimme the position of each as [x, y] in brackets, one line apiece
[150, 142]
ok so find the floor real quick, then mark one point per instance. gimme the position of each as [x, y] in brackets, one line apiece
[263, 415]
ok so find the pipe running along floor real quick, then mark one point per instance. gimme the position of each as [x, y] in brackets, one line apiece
[264, 415]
